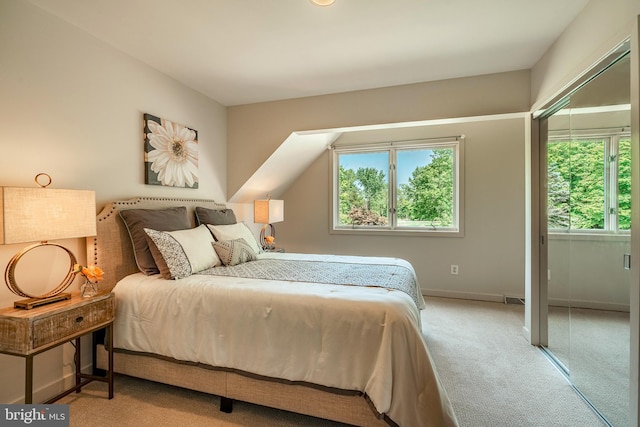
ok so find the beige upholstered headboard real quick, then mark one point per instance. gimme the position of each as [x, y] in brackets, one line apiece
[111, 248]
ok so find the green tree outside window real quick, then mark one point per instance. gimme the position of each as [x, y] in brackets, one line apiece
[424, 190]
[578, 184]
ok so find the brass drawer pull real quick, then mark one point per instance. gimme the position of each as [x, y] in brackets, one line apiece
[79, 319]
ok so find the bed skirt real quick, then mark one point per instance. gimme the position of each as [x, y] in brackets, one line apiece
[322, 402]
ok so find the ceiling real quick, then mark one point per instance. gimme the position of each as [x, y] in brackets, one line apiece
[247, 51]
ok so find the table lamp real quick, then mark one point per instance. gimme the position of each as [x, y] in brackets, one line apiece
[267, 211]
[40, 214]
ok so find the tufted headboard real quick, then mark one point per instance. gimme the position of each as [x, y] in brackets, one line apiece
[111, 248]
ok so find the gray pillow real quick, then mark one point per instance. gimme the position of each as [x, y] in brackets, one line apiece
[136, 220]
[214, 216]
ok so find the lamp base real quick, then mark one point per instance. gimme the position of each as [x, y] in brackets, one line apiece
[263, 233]
[30, 303]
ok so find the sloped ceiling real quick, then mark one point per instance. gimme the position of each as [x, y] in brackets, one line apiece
[286, 164]
[246, 51]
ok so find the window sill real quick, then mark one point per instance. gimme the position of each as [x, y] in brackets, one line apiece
[600, 237]
[396, 232]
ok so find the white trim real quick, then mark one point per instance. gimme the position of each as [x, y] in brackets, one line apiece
[597, 237]
[593, 110]
[634, 374]
[406, 143]
[418, 123]
[440, 293]
[566, 135]
[594, 305]
[531, 328]
[554, 302]
[456, 143]
[610, 140]
[403, 232]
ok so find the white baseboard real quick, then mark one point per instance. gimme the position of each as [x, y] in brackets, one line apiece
[558, 302]
[462, 295]
[53, 388]
[595, 305]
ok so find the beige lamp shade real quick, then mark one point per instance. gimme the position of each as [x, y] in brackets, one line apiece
[41, 214]
[268, 211]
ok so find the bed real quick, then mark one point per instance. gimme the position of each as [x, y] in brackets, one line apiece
[290, 336]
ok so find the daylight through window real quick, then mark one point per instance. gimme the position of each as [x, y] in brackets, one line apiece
[589, 183]
[404, 187]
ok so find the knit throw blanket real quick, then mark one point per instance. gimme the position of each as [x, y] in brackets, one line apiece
[336, 273]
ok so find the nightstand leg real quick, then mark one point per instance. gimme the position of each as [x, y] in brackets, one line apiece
[28, 380]
[110, 352]
[78, 364]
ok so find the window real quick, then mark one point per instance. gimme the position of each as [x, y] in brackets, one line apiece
[398, 187]
[589, 183]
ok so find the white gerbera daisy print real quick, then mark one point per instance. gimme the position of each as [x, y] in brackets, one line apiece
[170, 153]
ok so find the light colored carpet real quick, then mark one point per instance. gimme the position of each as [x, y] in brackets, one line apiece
[143, 403]
[594, 347]
[492, 375]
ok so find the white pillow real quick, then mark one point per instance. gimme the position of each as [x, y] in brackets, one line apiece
[186, 251]
[235, 231]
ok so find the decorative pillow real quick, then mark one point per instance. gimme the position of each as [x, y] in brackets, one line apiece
[158, 259]
[215, 216]
[234, 252]
[185, 252]
[136, 220]
[235, 231]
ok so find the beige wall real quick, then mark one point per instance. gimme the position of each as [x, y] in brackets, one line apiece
[254, 131]
[494, 222]
[599, 28]
[72, 107]
[491, 253]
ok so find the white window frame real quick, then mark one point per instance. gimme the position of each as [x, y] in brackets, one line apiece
[456, 230]
[611, 138]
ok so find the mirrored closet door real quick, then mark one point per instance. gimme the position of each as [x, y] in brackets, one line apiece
[588, 218]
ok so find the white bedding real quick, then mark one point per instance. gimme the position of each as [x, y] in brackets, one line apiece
[348, 337]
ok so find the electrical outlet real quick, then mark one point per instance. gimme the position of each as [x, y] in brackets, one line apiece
[454, 269]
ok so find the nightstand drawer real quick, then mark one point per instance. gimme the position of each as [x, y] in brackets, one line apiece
[62, 325]
[24, 332]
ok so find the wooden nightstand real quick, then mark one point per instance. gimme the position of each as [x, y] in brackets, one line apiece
[26, 333]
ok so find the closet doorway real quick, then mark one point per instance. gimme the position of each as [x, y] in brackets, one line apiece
[586, 174]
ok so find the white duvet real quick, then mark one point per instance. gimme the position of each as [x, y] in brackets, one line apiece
[348, 337]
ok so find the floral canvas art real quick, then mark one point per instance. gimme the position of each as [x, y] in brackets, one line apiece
[170, 153]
